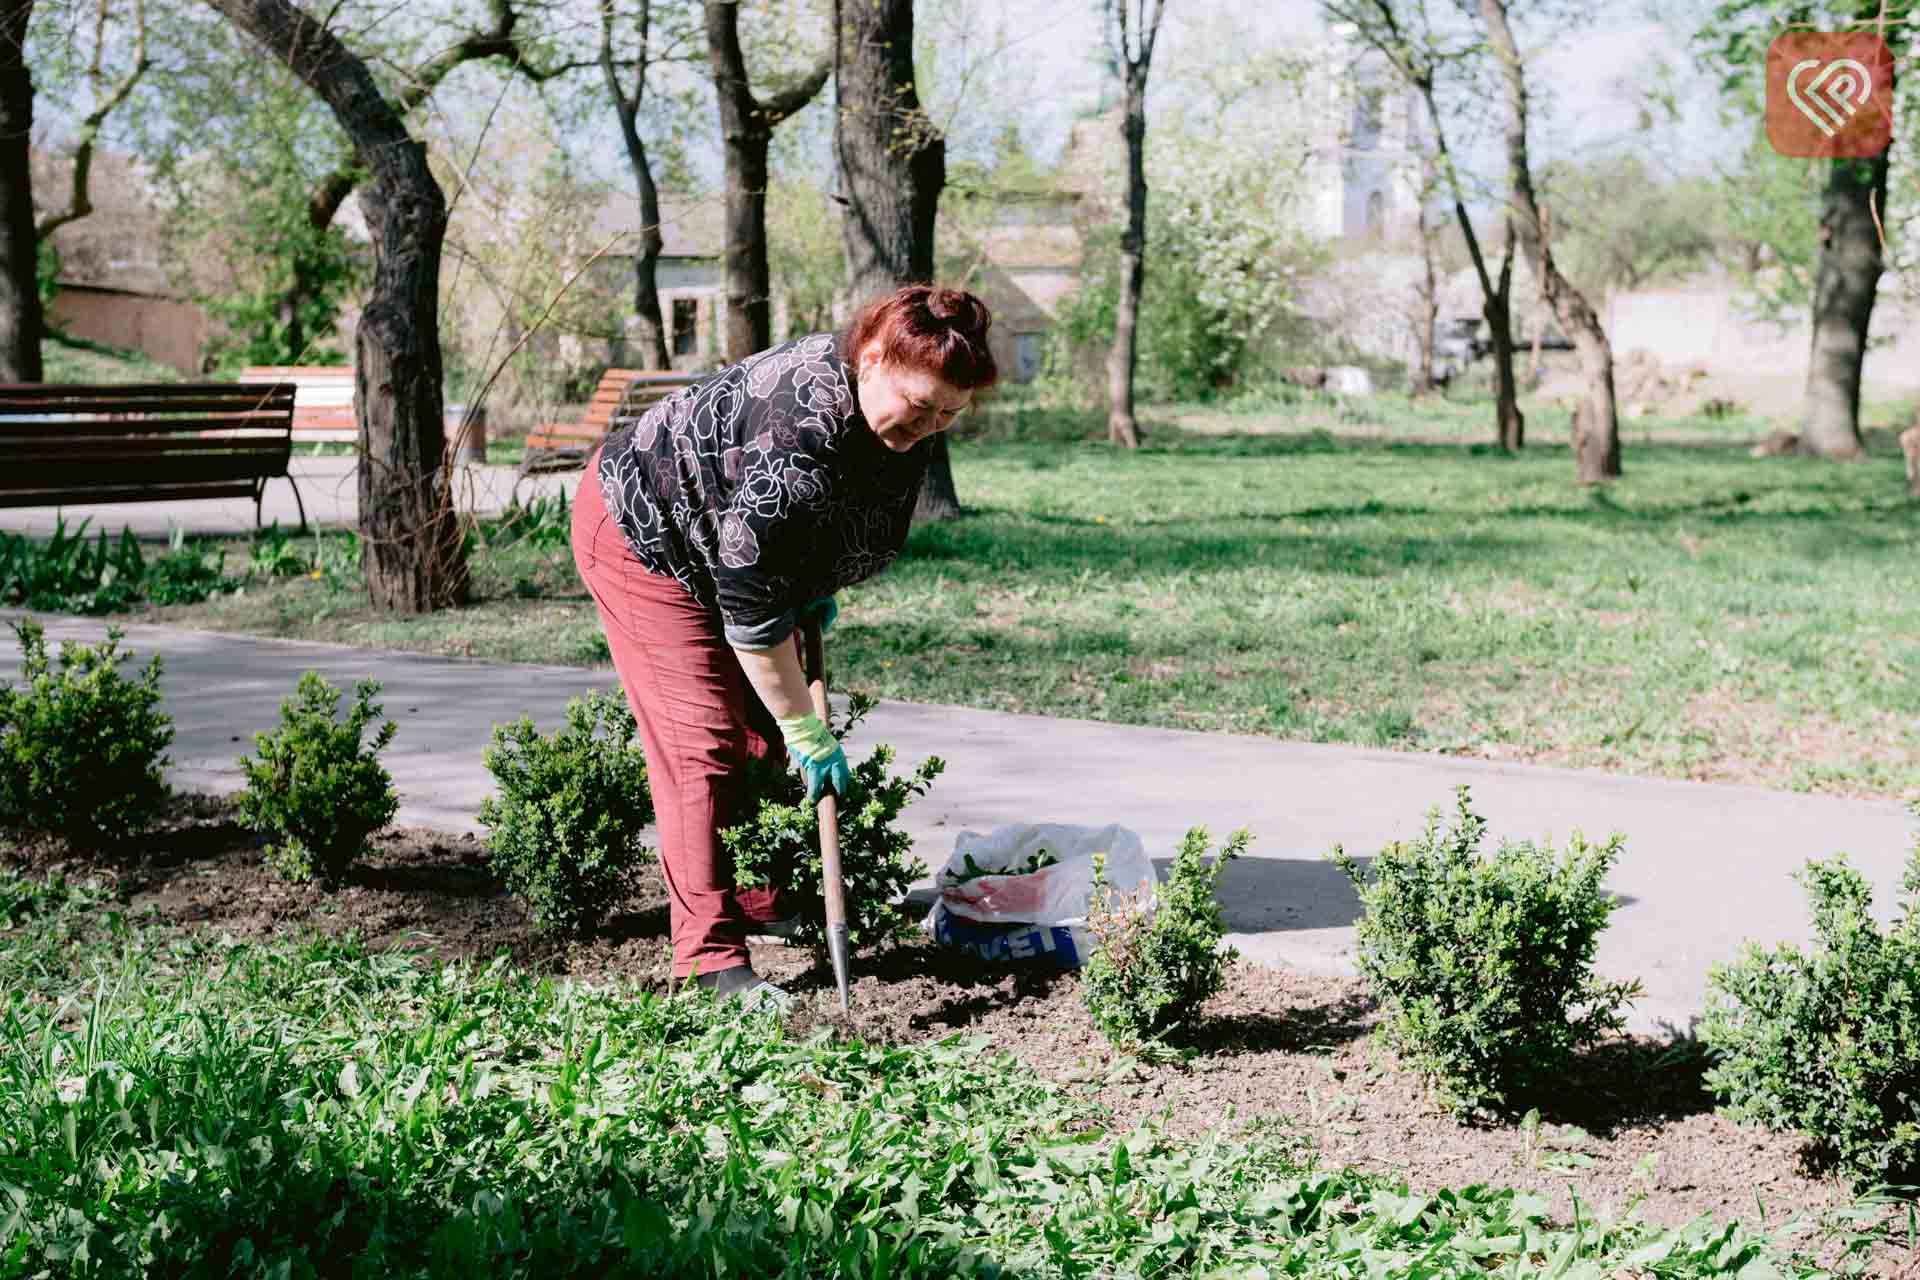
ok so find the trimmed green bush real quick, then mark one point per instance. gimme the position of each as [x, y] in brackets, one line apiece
[317, 784]
[82, 749]
[564, 830]
[780, 844]
[1483, 966]
[1155, 962]
[1826, 1042]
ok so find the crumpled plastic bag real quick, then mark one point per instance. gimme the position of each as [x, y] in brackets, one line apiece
[992, 906]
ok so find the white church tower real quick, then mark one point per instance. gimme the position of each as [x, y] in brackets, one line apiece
[1370, 147]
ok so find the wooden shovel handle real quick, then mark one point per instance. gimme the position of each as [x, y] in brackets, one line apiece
[832, 888]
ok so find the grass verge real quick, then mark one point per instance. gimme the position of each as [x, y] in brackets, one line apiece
[179, 1105]
[69, 359]
[1709, 616]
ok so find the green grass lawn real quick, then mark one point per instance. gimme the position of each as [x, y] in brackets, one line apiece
[65, 359]
[1709, 616]
[183, 1105]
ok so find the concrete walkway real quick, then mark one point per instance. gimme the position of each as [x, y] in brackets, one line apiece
[1704, 867]
[328, 485]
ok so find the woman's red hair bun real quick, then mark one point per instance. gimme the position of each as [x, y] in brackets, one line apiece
[937, 330]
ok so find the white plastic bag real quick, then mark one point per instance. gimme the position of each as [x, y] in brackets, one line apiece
[1014, 914]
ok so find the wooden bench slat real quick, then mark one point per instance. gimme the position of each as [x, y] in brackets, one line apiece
[87, 443]
[557, 440]
[101, 448]
[562, 438]
[140, 493]
[239, 424]
[662, 377]
[79, 472]
[56, 390]
[97, 406]
[280, 395]
[599, 416]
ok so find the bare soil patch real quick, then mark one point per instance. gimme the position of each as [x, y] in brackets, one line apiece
[1286, 1049]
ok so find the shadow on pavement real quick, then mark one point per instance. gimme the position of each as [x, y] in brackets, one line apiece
[1271, 895]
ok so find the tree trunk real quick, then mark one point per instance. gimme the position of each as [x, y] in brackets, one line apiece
[20, 320]
[746, 324]
[287, 313]
[1122, 428]
[1843, 295]
[646, 294]
[1539, 340]
[893, 166]
[1596, 420]
[1510, 428]
[1596, 435]
[411, 547]
[746, 130]
[646, 291]
[1427, 313]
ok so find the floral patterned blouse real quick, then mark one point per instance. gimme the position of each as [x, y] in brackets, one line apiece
[761, 487]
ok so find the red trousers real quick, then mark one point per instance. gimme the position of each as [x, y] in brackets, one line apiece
[700, 721]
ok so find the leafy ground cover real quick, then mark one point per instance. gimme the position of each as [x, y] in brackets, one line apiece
[205, 1067]
[1710, 616]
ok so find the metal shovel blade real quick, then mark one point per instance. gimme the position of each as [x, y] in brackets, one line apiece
[837, 951]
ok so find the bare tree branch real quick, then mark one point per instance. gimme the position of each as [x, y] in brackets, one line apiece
[79, 197]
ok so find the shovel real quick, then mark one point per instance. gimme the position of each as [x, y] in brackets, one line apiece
[831, 886]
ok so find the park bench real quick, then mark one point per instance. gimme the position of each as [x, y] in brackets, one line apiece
[322, 400]
[556, 446]
[154, 442]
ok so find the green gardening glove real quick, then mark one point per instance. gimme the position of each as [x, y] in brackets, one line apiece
[817, 754]
[818, 613]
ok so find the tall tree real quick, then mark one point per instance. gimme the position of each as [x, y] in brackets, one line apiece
[1596, 419]
[1853, 208]
[1844, 288]
[498, 40]
[746, 130]
[411, 546]
[1132, 42]
[1496, 308]
[1401, 32]
[893, 165]
[1425, 309]
[268, 166]
[627, 104]
[20, 319]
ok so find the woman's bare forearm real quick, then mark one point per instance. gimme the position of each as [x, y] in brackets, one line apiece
[776, 676]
